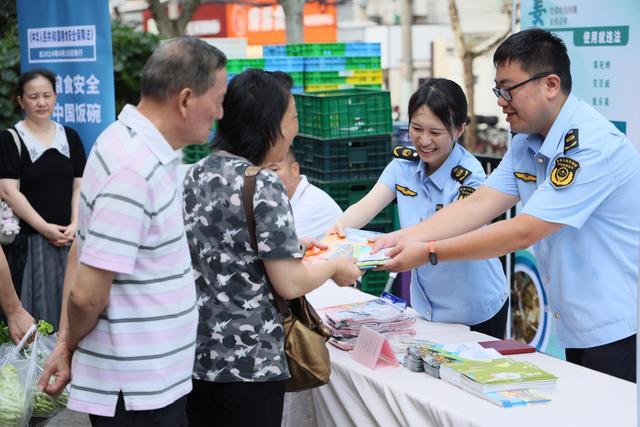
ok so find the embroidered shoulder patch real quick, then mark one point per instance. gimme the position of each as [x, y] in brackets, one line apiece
[564, 171]
[526, 177]
[460, 174]
[570, 140]
[405, 191]
[465, 191]
[405, 153]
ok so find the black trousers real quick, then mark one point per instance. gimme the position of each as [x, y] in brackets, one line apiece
[497, 325]
[617, 358]
[235, 404]
[170, 416]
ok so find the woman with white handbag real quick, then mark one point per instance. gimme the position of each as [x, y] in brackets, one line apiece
[41, 165]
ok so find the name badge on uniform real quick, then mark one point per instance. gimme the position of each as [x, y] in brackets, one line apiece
[564, 172]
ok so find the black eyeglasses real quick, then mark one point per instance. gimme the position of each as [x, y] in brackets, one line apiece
[505, 92]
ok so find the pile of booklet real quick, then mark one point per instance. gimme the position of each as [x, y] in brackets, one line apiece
[505, 382]
[429, 357]
[345, 321]
[483, 372]
[354, 244]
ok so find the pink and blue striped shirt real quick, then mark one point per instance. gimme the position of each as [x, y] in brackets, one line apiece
[131, 223]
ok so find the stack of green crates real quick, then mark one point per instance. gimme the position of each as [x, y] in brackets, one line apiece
[333, 66]
[344, 144]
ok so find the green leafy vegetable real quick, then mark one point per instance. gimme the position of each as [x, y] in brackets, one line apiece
[13, 408]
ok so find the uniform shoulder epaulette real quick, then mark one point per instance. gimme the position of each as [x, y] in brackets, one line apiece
[405, 153]
[460, 173]
[570, 140]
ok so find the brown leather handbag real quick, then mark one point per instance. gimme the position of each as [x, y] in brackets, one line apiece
[305, 334]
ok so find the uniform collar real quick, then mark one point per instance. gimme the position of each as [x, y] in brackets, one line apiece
[556, 133]
[153, 139]
[302, 185]
[443, 174]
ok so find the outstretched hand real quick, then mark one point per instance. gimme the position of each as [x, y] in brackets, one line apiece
[406, 255]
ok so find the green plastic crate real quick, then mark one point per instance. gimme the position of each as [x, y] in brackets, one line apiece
[363, 63]
[316, 49]
[193, 153]
[373, 282]
[297, 77]
[337, 160]
[344, 113]
[235, 66]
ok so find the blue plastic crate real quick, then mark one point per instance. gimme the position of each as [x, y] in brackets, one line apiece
[362, 49]
[274, 50]
[284, 63]
[325, 63]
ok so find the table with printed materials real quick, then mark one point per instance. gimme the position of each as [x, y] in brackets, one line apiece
[387, 396]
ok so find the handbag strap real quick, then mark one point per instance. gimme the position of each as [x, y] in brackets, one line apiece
[250, 174]
[16, 140]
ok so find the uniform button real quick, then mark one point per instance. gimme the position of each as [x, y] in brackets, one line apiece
[556, 315]
[540, 160]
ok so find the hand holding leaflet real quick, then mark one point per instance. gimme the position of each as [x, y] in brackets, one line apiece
[354, 244]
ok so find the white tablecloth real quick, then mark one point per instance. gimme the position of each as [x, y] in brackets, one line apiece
[386, 396]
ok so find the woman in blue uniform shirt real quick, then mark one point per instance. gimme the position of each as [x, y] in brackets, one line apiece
[438, 172]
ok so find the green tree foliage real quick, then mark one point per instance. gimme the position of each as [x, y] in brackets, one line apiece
[130, 51]
[9, 73]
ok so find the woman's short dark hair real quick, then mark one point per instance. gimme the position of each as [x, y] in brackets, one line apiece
[536, 51]
[444, 98]
[254, 105]
[27, 76]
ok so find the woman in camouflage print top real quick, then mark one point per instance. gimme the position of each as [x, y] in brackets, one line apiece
[240, 366]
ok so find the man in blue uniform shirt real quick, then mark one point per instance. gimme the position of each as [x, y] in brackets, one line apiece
[577, 177]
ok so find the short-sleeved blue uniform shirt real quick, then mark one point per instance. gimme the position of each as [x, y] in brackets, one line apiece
[584, 174]
[467, 292]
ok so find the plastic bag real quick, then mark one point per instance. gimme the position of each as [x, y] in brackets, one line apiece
[17, 384]
[45, 406]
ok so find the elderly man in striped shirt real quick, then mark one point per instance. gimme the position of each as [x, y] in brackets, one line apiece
[131, 310]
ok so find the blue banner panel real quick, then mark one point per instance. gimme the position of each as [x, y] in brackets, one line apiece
[72, 38]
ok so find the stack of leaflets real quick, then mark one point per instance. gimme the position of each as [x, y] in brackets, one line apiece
[429, 357]
[505, 382]
[345, 321]
[355, 244]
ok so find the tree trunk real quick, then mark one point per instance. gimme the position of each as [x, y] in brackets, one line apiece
[471, 134]
[167, 27]
[406, 21]
[293, 20]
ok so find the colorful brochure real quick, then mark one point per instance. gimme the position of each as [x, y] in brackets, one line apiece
[355, 244]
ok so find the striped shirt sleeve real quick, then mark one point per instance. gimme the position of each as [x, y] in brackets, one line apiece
[118, 224]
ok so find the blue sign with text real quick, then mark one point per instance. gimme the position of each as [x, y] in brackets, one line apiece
[72, 38]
